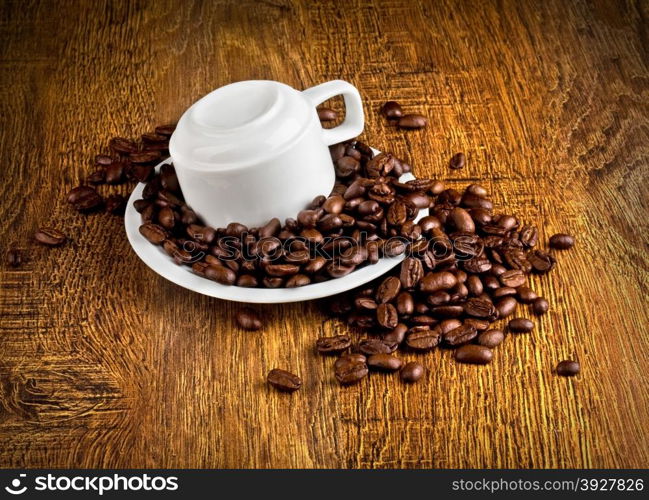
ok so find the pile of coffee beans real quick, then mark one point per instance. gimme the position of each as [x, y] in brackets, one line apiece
[369, 214]
[466, 265]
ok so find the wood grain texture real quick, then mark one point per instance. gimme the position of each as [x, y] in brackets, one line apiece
[105, 364]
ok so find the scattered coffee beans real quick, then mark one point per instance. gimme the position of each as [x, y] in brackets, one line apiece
[540, 306]
[249, 320]
[283, 381]
[474, 354]
[327, 115]
[521, 325]
[568, 368]
[350, 369]
[49, 237]
[385, 362]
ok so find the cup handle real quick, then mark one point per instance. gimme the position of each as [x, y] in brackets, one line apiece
[354, 121]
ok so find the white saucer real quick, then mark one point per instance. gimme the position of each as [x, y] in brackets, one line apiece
[154, 257]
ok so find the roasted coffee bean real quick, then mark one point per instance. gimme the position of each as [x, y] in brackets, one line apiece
[512, 278]
[272, 282]
[473, 354]
[429, 223]
[411, 273]
[333, 345]
[405, 304]
[562, 241]
[247, 281]
[521, 325]
[202, 234]
[394, 247]
[297, 280]
[529, 236]
[85, 199]
[283, 381]
[49, 237]
[350, 369]
[474, 285]
[388, 290]
[270, 229]
[221, 274]
[154, 138]
[384, 362]
[330, 223]
[392, 110]
[235, 230]
[412, 372]
[457, 161]
[396, 335]
[387, 316]
[144, 157]
[154, 233]
[433, 282]
[447, 311]
[282, 270]
[397, 213]
[423, 338]
[365, 304]
[167, 218]
[327, 115]
[248, 319]
[114, 173]
[116, 204]
[526, 295]
[412, 121]
[334, 204]
[568, 368]
[540, 306]
[480, 308]
[447, 325]
[308, 218]
[419, 199]
[165, 130]
[371, 346]
[338, 270]
[506, 306]
[315, 265]
[478, 265]
[542, 262]
[470, 200]
[461, 220]
[491, 338]
[478, 324]
[476, 189]
[346, 167]
[460, 335]
[122, 145]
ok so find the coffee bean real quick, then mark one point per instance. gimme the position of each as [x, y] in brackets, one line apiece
[144, 157]
[248, 319]
[333, 345]
[395, 336]
[221, 274]
[461, 220]
[513, 278]
[526, 295]
[49, 237]
[334, 204]
[568, 368]
[387, 316]
[97, 177]
[506, 306]
[154, 233]
[297, 281]
[14, 257]
[412, 372]
[283, 381]
[282, 270]
[327, 115]
[423, 338]
[350, 369]
[540, 306]
[491, 338]
[460, 335]
[473, 354]
[397, 213]
[122, 145]
[542, 262]
[165, 130]
[521, 325]
[85, 199]
[433, 282]
[405, 304]
[480, 308]
[371, 346]
[345, 167]
[167, 218]
[391, 110]
[411, 273]
[412, 121]
[562, 241]
[457, 161]
[384, 362]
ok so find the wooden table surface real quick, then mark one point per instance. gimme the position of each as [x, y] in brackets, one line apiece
[105, 364]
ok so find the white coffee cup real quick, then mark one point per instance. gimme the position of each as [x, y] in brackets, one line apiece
[254, 150]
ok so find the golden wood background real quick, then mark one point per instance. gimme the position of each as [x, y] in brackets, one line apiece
[105, 364]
